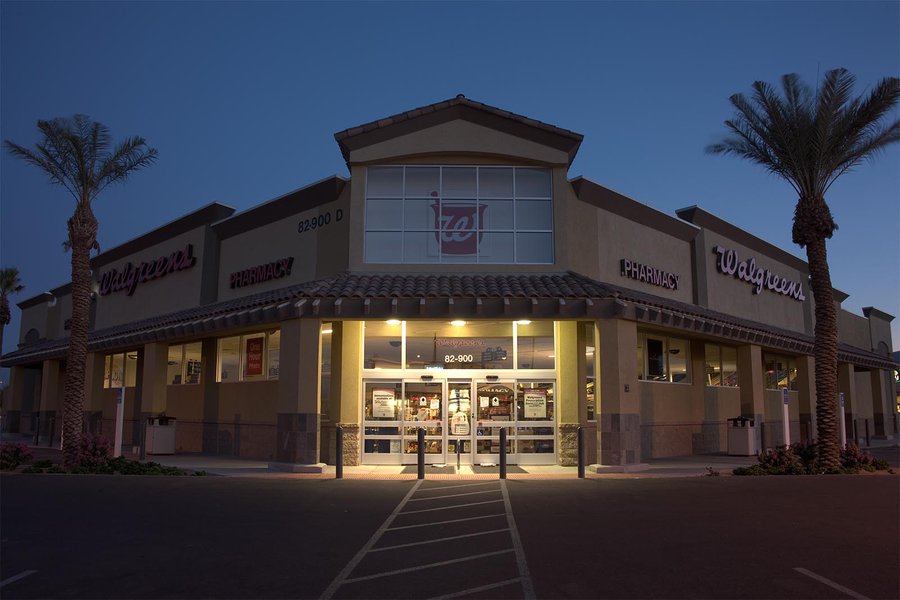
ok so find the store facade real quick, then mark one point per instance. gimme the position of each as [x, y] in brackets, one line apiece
[457, 281]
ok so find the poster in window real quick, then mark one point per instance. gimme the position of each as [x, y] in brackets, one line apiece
[383, 404]
[536, 404]
[255, 356]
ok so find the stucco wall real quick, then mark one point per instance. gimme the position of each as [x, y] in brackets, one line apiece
[316, 251]
[728, 294]
[174, 291]
[854, 330]
[33, 317]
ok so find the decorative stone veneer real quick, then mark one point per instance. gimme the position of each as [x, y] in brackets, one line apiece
[568, 444]
[351, 444]
[620, 438]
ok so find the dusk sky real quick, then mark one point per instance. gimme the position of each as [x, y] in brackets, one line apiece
[242, 101]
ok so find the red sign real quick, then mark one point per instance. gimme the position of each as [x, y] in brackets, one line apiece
[457, 223]
[254, 357]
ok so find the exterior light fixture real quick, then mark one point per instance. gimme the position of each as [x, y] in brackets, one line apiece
[524, 322]
[458, 323]
[324, 331]
[393, 321]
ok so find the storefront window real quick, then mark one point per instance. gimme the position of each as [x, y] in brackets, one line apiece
[424, 214]
[383, 348]
[117, 377]
[781, 372]
[325, 371]
[119, 370]
[662, 358]
[535, 345]
[590, 377]
[721, 365]
[252, 357]
[459, 344]
[184, 363]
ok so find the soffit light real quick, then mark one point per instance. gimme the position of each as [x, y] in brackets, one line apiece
[393, 321]
[524, 322]
[324, 331]
[458, 323]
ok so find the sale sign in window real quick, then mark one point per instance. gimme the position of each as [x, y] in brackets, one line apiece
[254, 356]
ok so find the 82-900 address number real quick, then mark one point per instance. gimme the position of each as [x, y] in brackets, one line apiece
[320, 221]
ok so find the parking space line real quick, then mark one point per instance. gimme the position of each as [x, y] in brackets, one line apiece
[455, 495]
[342, 576]
[527, 585]
[447, 487]
[15, 578]
[436, 540]
[445, 522]
[475, 590]
[830, 583]
[428, 566]
[410, 512]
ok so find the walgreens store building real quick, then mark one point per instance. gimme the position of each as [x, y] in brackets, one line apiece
[457, 281]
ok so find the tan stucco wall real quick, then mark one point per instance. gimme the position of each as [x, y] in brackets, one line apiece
[172, 292]
[316, 252]
[854, 330]
[254, 401]
[727, 294]
[458, 137]
[33, 317]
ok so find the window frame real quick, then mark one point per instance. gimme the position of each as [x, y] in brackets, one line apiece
[643, 358]
[721, 365]
[241, 366]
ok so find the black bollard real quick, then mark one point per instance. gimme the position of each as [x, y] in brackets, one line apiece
[339, 454]
[458, 453]
[421, 451]
[503, 453]
[581, 453]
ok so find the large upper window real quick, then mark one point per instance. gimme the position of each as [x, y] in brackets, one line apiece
[423, 214]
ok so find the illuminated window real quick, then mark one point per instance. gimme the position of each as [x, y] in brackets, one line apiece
[252, 357]
[662, 358]
[459, 214]
[120, 370]
[590, 350]
[184, 364]
[721, 365]
[781, 372]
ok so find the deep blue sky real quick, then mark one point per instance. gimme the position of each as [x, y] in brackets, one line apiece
[242, 101]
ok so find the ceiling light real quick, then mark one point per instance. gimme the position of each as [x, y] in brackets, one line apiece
[327, 330]
[392, 322]
[524, 322]
[458, 323]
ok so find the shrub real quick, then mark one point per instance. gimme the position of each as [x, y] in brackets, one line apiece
[13, 454]
[94, 454]
[801, 459]
[854, 459]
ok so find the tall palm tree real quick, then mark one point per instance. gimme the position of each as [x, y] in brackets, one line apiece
[78, 154]
[9, 284]
[809, 139]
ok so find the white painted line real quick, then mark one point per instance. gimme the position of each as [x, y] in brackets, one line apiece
[428, 566]
[447, 487]
[481, 588]
[527, 585]
[436, 540]
[503, 514]
[410, 512]
[15, 578]
[455, 495]
[342, 576]
[830, 583]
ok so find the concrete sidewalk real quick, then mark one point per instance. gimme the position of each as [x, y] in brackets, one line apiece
[682, 466]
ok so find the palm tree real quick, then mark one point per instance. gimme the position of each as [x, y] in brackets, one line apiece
[810, 139]
[78, 154]
[9, 284]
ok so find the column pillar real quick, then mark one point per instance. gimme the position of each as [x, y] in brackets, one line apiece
[883, 426]
[93, 392]
[13, 397]
[570, 390]
[298, 398]
[50, 411]
[806, 391]
[619, 421]
[847, 384]
[346, 384]
[208, 366]
[154, 380]
[753, 387]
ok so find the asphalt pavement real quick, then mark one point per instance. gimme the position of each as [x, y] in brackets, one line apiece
[73, 536]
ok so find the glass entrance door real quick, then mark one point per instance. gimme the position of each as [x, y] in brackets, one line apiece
[423, 406]
[459, 414]
[495, 411]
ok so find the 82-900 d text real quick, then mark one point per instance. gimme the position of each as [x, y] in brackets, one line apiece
[320, 221]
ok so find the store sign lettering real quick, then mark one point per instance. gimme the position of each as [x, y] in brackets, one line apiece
[457, 223]
[261, 273]
[728, 263]
[652, 275]
[130, 276]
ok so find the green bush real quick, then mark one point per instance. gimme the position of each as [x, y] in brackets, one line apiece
[13, 454]
[802, 459]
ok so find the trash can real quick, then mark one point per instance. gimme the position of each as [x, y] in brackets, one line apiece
[161, 435]
[741, 437]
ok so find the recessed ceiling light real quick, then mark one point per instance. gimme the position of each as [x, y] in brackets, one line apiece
[458, 323]
[393, 321]
[327, 330]
[524, 322]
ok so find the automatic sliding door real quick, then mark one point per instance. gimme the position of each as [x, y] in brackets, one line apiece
[535, 423]
[381, 423]
[423, 406]
[495, 411]
[459, 416]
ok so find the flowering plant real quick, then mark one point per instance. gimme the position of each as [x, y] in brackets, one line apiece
[13, 454]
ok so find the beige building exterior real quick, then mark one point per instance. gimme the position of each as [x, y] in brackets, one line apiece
[459, 281]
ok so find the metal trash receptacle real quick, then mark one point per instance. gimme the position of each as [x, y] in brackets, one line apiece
[161, 435]
[742, 437]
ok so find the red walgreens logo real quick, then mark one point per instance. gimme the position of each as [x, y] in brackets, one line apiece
[457, 225]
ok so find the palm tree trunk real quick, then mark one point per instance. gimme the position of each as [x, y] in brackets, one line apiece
[825, 352]
[82, 237]
[4, 318]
